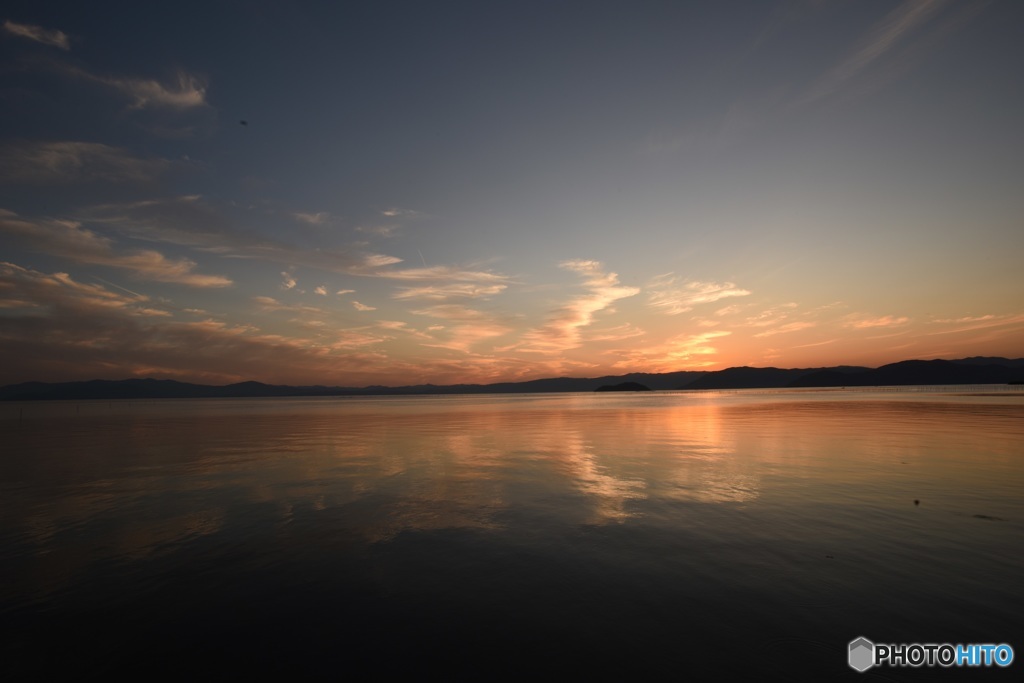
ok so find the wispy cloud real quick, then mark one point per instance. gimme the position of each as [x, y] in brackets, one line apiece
[470, 327]
[790, 317]
[970, 319]
[378, 230]
[893, 46]
[814, 344]
[679, 352]
[346, 340]
[884, 321]
[890, 335]
[450, 291]
[973, 323]
[287, 281]
[27, 288]
[70, 241]
[464, 338]
[673, 296]
[436, 273]
[370, 261]
[271, 304]
[771, 316]
[393, 325]
[561, 332]
[191, 221]
[319, 218]
[183, 91]
[787, 327]
[869, 64]
[67, 162]
[451, 312]
[401, 327]
[46, 36]
[363, 307]
[321, 290]
[729, 310]
[614, 334]
[397, 212]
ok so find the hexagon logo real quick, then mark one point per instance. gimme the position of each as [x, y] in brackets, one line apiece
[862, 654]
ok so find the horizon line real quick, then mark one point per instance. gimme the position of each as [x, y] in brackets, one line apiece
[488, 384]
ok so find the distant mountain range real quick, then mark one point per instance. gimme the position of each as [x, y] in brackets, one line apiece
[976, 370]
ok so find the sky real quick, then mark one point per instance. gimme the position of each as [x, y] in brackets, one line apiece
[394, 193]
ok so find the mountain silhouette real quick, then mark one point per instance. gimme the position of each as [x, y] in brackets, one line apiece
[917, 372]
[760, 378]
[975, 370]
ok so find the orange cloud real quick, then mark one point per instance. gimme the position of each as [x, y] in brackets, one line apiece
[561, 332]
[672, 296]
[676, 353]
[884, 321]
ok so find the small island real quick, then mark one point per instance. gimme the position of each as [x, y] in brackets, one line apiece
[625, 386]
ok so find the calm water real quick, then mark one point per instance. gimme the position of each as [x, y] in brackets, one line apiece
[671, 534]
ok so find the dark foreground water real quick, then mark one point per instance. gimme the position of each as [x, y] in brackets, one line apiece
[670, 535]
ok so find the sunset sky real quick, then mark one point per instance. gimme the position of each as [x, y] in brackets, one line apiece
[407, 192]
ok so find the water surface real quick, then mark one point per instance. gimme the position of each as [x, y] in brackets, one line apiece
[661, 534]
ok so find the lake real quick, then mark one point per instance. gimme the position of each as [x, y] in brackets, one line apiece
[649, 535]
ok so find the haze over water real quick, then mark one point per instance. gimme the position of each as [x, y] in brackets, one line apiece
[472, 535]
